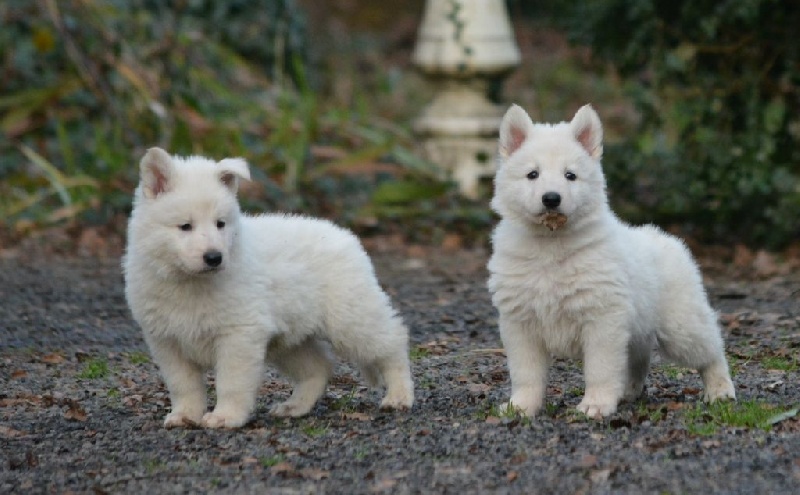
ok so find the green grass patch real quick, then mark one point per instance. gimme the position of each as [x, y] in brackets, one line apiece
[426, 383]
[95, 369]
[783, 363]
[314, 431]
[152, 465]
[505, 411]
[417, 353]
[551, 408]
[138, 357]
[674, 372]
[706, 419]
[268, 462]
[654, 415]
[345, 403]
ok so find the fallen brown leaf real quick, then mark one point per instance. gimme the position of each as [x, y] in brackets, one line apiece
[600, 475]
[452, 242]
[282, 468]
[313, 473]
[383, 485]
[512, 475]
[132, 400]
[75, 412]
[8, 432]
[477, 388]
[357, 416]
[53, 358]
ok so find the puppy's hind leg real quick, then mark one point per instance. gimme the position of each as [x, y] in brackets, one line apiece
[385, 362]
[309, 367]
[396, 373]
[690, 336]
[639, 353]
[378, 343]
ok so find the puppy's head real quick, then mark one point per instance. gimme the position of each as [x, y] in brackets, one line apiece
[186, 216]
[549, 175]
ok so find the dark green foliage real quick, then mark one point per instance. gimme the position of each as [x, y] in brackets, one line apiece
[717, 84]
[88, 85]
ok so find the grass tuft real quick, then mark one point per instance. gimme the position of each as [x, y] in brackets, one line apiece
[95, 369]
[707, 419]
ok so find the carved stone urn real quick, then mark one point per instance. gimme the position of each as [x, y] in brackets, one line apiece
[464, 47]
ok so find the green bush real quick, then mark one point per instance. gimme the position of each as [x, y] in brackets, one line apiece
[88, 85]
[717, 85]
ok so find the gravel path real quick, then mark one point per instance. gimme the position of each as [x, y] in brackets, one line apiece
[81, 405]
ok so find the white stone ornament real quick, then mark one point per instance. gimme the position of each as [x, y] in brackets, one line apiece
[463, 46]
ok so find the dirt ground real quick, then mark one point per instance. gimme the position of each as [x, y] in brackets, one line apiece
[81, 404]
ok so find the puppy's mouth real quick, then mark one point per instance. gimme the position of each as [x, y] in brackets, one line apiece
[210, 269]
[552, 219]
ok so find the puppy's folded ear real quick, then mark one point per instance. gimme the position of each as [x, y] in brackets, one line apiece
[155, 171]
[515, 129]
[588, 131]
[231, 170]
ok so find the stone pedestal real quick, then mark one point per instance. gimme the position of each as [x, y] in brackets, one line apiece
[463, 46]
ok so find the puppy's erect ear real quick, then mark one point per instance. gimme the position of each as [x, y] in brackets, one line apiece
[155, 171]
[588, 131]
[514, 130]
[231, 170]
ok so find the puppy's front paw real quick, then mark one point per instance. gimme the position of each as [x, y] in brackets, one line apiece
[398, 400]
[524, 404]
[290, 409]
[717, 382]
[719, 391]
[224, 419]
[181, 420]
[597, 407]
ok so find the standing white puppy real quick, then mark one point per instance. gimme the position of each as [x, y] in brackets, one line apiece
[213, 289]
[569, 279]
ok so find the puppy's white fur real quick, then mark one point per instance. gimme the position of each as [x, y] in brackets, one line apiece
[595, 288]
[286, 289]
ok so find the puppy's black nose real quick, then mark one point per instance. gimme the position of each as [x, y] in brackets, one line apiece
[212, 258]
[551, 199]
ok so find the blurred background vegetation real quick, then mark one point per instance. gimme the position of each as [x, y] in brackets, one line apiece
[701, 103]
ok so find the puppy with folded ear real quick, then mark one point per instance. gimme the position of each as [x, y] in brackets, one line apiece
[215, 289]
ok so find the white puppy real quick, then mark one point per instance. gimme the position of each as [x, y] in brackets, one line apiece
[570, 279]
[213, 289]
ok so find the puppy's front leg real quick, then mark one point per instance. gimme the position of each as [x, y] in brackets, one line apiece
[528, 362]
[605, 365]
[239, 373]
[185, 382]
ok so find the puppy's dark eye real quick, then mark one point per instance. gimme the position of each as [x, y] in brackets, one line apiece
[533, 174]
[220, 224]
[186, 227]
[570, 176]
